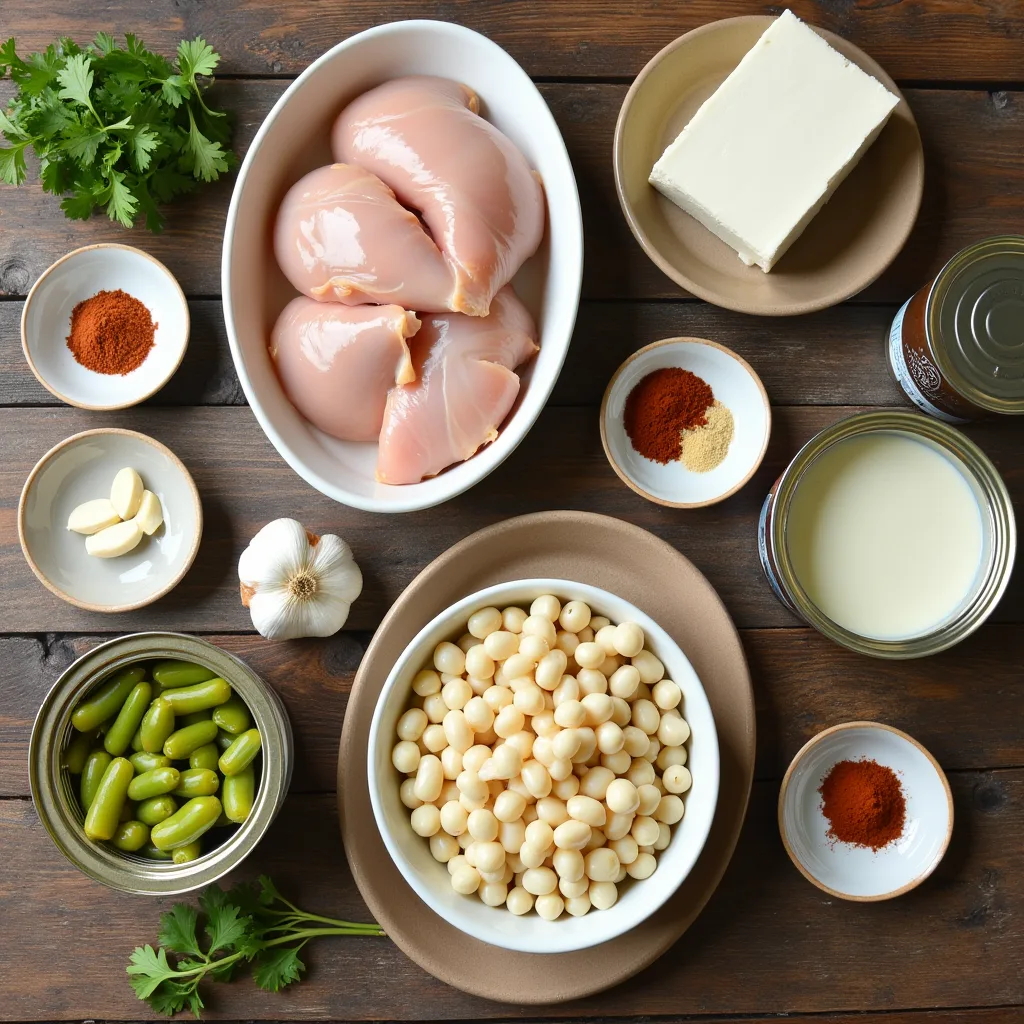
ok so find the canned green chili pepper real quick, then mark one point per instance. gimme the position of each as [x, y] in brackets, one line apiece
[156, 809]
[238, 794]
[185, 854]
[150, 851]
[107, 700]
[157, 724]
[92, 774]
[143, 761]
[129, 719]
[153, 783]
[205, 756]
[182, 742]
[102, 819]
[172, 673]
[233, 716]
[223, 741]
[187, 699]
[223, 821]
[131, 836]
[77, 751]
[197, 782]
[136, 743]
[241, 753]
[127, 811]
[187, 824]
[196, 716]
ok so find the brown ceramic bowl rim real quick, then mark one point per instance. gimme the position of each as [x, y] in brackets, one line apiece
[804, 750]
[196, 504]
[621, 473]
[116, 405]
[726, 301]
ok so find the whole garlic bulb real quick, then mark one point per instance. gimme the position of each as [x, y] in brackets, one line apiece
[297, 584]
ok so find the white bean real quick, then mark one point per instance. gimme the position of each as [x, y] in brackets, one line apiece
[426, 682]
[451, 762]
[603, 895]
[426, 820]
[629, 639]
[534, 647]
[509, 806]
[532, 856]
[589, 655]
[471, 785]
[519, 901]
[673, 732]
[646, 716]
[635, 741]
[454, 818]
[493, 894]
[604, 637]
[411, 724]
[435, 708]
[622, 713]
[544, 724]
[653, 749]
[497, 697]
[483, 825]
[456, 862]
[591, 680]
[484, 622]
[479, 715]
[512, 835]
[457, 731]
[670, 756]
[539, 626]
[641, 772]
[575, 615]
[664, 837]
[566, 642]
[479, 663]
[567, 689]
[522, 741]
[536, 778]
[570, 714]
[645, 830]
[588, 745]
[407, 796]
[443, 847]
[405, 756]
[501, 645]
[466, 880]
[578, 906]
[650, 668]
[617, 826]
[670, 810]
[530, 700]
[597, 840]
[666, 694]
[449, 658]
[457, 693]
[677, 778]
[573, 890]
[642, 867]
[540, 881]
[549, 906]
[601, 865]
[597, 707]
[618, 762]
[466, 641]
[565, 788]
[624, 681]
[488, 856]
[622, 797]
[596, 781]
[509, 721]
[552, 810]
[539, 835]
[543, 751]
[550, 669]
[625, 849]
[649, 797]
[559, 769]
[610, 739]
[586, 809]
[512, 619]
[572, 835]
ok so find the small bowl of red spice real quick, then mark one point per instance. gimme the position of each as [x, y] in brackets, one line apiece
[685, 422]
[865, 811]
[105, 327]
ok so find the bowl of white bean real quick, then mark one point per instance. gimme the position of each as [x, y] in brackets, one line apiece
[543, 765]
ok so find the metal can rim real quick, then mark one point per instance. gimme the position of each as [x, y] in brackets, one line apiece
[61, 817]
[938, 293]
[997, 500]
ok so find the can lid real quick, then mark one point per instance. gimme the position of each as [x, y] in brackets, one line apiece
[975, 317]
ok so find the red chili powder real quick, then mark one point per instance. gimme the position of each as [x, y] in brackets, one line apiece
[864, 804]
[660, 407]
[112, 332]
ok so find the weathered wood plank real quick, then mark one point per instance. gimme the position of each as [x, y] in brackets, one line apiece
[830, 358]
[963, 705]
[974, 187]
[244, 484]
[958, 40]
[956, 941]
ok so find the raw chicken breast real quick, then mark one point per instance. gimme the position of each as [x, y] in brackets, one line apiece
[337, 363]
[474, 189]
[465, 388]
[342, 235]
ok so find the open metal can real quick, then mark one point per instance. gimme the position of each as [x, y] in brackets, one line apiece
[998, 527]
[956, 347]
[53, 789]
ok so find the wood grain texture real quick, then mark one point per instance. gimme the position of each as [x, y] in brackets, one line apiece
[831, 358]
[952, 39]
[974, 187]
[957, 704]
[244, 484]
[768, 942]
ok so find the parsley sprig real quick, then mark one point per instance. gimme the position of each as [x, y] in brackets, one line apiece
[119, 129]
[252, 923]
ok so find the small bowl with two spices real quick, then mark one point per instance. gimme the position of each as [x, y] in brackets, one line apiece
[685, 422]
[865, 811]
[105, 327]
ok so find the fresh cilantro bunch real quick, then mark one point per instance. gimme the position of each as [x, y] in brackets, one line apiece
[123, 129]
[250, 923]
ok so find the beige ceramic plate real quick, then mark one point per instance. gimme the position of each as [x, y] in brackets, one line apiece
[847, 245]
[640, 568]
[83, 467]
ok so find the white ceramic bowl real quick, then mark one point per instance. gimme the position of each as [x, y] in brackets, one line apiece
[83, 467]
[733, 382]
[46, 323]
[293, 140]
[857, 872]
[430, 879]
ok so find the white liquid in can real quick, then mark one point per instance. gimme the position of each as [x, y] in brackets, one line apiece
[885, 535]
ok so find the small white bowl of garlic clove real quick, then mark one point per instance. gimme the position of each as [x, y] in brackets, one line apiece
[110, 520]
[602, 840]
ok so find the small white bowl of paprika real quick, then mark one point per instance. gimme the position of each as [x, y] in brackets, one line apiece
[105, 327]
[685, 422]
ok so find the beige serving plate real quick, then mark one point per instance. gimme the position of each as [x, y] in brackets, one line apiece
[849, 243]
[640, 568]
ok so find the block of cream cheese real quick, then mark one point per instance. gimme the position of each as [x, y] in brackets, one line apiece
[768, 148]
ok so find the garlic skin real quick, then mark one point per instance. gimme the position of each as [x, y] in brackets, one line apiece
[296, 584]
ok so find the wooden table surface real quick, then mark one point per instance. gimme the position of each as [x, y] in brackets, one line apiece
[768, 942]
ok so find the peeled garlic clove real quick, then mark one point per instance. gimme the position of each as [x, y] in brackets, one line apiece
[126, 492]
[150, 514]
[93, 516]
[114, 540]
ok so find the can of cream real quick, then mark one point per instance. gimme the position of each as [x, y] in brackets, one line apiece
[956, 347]
[891, 533]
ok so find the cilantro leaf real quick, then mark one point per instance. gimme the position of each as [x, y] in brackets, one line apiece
[170, 998]
[277, 968]
[178, 930]
[146, 969]
[268, 891]
[225, 927]
[13, 169]
[76, 80]
[196, 58]
[143, 143]
[104, 42]
[78, 205]
[173, 89]
[208, 159]
[10, 127]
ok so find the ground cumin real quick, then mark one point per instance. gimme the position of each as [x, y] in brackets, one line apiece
[660, 407]
[864, 804]
[112, 332]
[705, 448]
